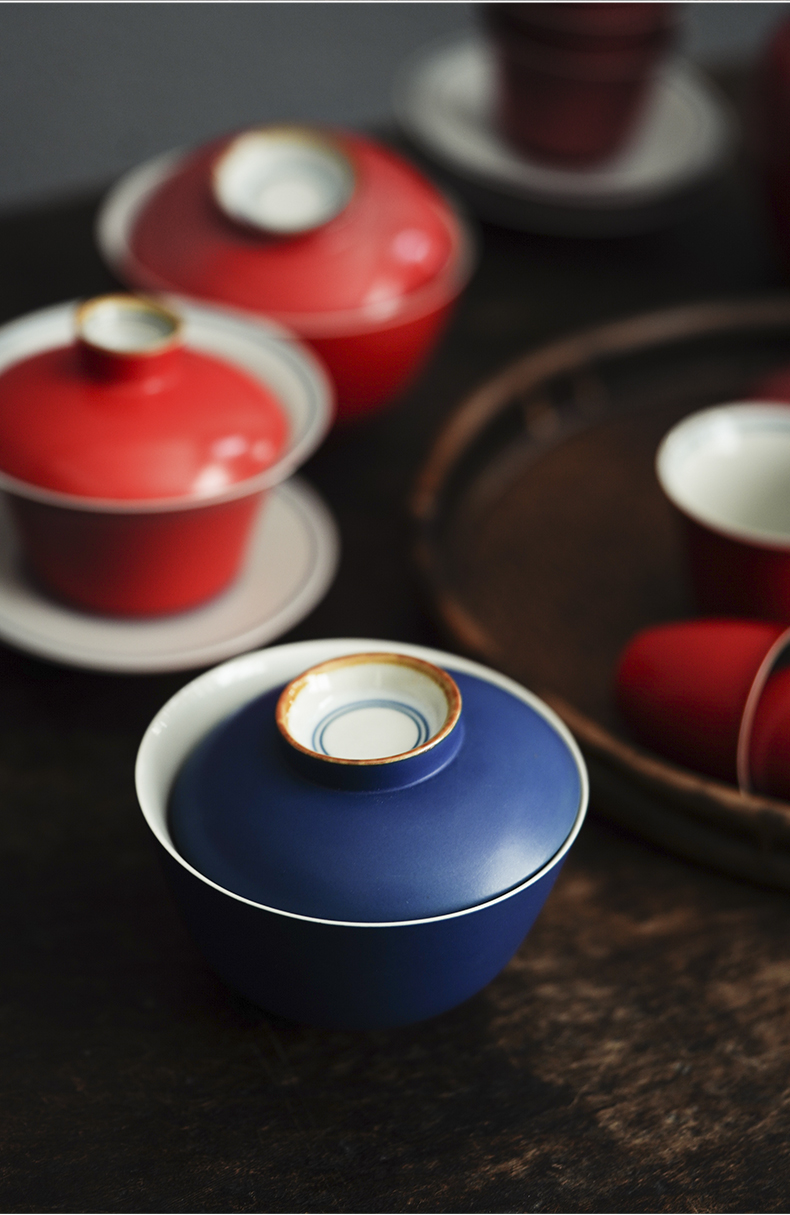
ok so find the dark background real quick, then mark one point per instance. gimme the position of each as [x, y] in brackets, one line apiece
[87, 90]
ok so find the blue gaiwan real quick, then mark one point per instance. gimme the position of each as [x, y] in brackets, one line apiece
[360, 834]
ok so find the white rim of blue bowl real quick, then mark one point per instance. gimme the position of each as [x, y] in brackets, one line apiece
[246, 673]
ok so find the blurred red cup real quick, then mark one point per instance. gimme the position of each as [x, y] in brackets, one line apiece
[330, 234]
[726, 470]
[713, 696]
[573, 78]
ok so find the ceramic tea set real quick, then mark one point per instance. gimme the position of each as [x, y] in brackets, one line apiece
[360, 833]
[294, 274]
[713, 694]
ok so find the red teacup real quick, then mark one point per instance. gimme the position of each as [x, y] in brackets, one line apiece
[573, 77]
[726, 470]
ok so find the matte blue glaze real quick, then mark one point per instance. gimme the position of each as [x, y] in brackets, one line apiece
[355, 976]
[243, 812]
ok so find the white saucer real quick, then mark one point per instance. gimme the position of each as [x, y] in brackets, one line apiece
[444, 101]
[290, 564]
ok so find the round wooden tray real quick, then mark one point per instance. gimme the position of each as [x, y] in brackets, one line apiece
[547, 543]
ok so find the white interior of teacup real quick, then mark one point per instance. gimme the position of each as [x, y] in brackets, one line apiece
[368, 707]
[729, 467]
[283, 180]
[124, 324]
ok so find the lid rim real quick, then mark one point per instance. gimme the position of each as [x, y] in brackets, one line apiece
[681, 432]
[221, 169]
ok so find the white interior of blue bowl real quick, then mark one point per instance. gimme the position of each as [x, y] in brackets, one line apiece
[206, 701]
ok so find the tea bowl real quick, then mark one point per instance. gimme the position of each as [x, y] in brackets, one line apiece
[138, 440]
[329, 233]
[381, 915]
[726, 471]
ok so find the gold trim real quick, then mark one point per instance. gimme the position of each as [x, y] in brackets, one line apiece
[446, 682]
[139, 303]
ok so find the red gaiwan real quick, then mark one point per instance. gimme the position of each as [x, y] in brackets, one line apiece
[134, 465]
[713, 696]
[329, 233]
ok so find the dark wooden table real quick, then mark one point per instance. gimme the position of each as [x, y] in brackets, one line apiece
[635, 1055]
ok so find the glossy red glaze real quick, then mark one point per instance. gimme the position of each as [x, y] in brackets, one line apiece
[574, 78]
[135, 564]
[682, 690]
[769, 752]
[395, 235]
[735, 578]
[369, 290]
[98, 424]
[374, 367]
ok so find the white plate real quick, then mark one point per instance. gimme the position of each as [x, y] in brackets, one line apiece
[444, 100]
[290, 564]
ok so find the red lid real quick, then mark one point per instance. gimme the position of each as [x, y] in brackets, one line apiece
[127, 412]
[289, 221]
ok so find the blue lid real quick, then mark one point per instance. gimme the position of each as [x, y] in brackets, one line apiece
[477, 794]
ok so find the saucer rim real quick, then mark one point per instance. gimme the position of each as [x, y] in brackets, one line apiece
[306, 507]
[572, 209]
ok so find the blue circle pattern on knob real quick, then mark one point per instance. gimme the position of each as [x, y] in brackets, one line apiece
[483, 820]
[418, 719]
